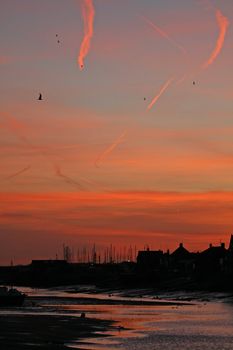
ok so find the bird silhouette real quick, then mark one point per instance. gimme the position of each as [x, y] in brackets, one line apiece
[194, 83]
[40, 97]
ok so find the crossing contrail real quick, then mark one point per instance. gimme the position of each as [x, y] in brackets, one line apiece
[13, 125]
[165, 35]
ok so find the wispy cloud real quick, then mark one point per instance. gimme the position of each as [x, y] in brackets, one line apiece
[132, 215]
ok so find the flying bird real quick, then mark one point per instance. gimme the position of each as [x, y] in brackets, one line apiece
[58, 40]
[144, 98]
[194, 83]
[40, 97]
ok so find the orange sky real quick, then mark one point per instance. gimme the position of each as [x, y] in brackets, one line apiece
[89, 163]
[159, 219]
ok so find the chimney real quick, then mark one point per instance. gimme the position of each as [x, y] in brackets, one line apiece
[231, 244]
[210, 246]
[223, 245]
[181, 245]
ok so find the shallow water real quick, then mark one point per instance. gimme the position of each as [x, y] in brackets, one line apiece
[194, 327]
[199, 326]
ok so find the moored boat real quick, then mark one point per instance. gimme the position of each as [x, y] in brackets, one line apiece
[11, 297]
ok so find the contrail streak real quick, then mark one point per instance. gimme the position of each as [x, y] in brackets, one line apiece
[110, 149]
[18, 173]
[13, 125]
[180, 80]
[155, 99]
[66, 178]
[88, 19]
[223, 24]
[165, 35]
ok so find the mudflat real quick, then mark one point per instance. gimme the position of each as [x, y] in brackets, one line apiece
[24, 332]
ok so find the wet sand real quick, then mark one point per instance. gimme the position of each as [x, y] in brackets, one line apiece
[29, 332]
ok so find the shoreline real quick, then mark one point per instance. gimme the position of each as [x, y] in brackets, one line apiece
[53, 327]
[53, 332]
[108, 301]
[52, 321]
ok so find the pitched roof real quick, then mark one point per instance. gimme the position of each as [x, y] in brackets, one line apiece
[181, 253]
[214, 252]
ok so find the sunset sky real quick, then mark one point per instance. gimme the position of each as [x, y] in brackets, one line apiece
[136, 146]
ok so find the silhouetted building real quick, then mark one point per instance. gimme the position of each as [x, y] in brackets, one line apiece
[180, 253]
[150, 259]
[213, 260]
[182, 261]
[45, 264]
[211, 269]
[230, 256]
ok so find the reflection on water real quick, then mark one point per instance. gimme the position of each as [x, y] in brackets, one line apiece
[196, 326]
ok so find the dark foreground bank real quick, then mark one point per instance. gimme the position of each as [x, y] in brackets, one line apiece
[53, 332]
